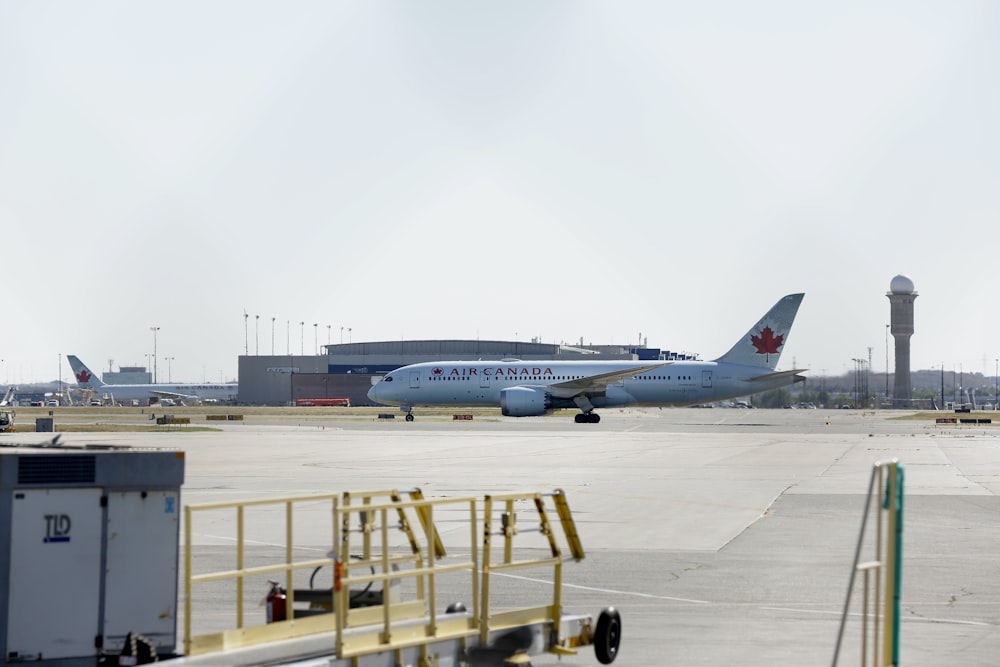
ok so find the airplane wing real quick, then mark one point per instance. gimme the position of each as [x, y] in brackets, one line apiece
[9, 397]
[597, 383]
[159, 393]
[778, 374]
[87, 394]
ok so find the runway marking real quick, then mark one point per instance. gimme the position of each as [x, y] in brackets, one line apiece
[650, 596]
[228, 538]
[925, 619]
[502, 574]
[766, 608]
[602, 590]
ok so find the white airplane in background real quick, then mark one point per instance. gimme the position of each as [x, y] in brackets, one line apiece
[183, 393]
[526, 389]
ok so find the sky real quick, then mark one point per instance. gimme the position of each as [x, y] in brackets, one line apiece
[611, 172]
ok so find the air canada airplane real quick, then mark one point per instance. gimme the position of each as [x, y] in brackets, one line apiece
[182, 393]
[532, 388]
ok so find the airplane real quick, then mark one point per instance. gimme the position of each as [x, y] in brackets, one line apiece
[527, 389]
[88, 381]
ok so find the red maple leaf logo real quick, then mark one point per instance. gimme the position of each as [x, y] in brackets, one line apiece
[437, 371]
[83, 377]
[767, 342]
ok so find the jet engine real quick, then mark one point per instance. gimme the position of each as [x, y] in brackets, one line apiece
[524, 402]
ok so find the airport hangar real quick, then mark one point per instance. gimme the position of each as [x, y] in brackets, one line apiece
[347, 370]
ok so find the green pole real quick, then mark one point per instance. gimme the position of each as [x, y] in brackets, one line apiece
[893, 504]
[898, 584]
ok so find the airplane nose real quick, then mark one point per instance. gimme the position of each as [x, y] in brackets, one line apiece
[374, 391]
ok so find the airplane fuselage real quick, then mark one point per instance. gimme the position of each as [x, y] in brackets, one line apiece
[460, 383]
[146, 392]
[527, 389]
[87, 380]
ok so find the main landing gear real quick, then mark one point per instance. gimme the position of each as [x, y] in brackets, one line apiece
[587, 414]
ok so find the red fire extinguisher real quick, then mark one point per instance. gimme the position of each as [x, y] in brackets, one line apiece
[276, 603]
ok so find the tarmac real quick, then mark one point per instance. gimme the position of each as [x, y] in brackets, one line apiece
[723, 536]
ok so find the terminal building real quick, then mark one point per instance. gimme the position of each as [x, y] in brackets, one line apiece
[128, 375]
[347, 370]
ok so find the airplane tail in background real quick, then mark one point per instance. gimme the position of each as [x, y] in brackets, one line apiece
[762, 345]
[85, 378]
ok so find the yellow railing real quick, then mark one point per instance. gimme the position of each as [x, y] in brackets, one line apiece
[390, 539]
[397, 624]
[196, 644]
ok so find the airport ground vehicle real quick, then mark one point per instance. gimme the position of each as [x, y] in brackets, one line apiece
[335, 402]
[395, 592]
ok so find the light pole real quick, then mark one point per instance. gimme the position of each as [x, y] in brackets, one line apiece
[302, 338]
[349, 334]
[154, 330]
[272, 336]
[855, 381]
[887, 362]
[256, 335]
[861, 382]
[954, 385]
[341, 335]
[328, 327]
[942, 385]
[316, 338]
[246, 336]
[169, 375]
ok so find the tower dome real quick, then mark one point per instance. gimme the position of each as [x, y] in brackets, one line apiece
[901, 285]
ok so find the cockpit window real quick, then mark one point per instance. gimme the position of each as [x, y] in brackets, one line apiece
[387, 378]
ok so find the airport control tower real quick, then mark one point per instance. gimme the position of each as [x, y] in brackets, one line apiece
[901, 297]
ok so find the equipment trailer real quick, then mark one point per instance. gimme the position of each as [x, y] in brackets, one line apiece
[389, 573]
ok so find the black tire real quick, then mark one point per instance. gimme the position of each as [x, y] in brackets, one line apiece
[580, 418]
[409, 416]
[608, 635]
[595, 418]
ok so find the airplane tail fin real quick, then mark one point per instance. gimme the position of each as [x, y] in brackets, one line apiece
[762, 345]
[85, 378]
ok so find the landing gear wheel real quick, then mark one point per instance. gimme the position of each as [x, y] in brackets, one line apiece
[608, 635]
[587, 418]
[409, 416]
